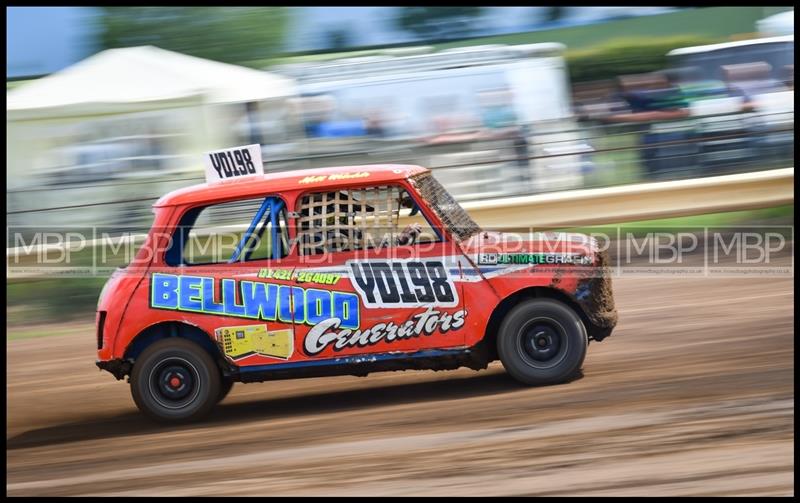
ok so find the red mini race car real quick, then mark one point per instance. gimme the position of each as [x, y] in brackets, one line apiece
[337, 271]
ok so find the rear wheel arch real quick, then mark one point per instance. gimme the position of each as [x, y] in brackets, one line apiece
[167, 329]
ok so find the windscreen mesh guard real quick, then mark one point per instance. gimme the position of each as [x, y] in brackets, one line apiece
[348, 219]
[452, 215]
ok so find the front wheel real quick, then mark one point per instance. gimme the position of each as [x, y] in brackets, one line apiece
[175, 380]
[542, 341]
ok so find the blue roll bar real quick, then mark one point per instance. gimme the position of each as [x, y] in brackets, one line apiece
[265, 206]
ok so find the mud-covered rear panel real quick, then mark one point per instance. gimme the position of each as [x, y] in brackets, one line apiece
[569, 267]
[595, 295]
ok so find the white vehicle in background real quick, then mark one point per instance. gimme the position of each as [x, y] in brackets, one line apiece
[714, 63]
[474, 113]
[752, 76]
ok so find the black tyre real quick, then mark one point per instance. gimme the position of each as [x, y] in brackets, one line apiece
[542, 341]
[175, 380]
[226, 384]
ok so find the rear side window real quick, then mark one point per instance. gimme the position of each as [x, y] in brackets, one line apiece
[235, 231]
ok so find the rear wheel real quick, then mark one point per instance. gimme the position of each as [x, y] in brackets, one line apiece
[542, 341]
[175, 380]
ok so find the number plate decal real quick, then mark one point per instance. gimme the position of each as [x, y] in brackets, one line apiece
[233, 163]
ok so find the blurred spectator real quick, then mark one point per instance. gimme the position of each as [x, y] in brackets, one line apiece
[500, 119]
[375, 124]
[251, 111]
[316, 110]
[694, 85]
[649, 97]
[322, 121]
[651, 91]
[653, 97]
[248, 126]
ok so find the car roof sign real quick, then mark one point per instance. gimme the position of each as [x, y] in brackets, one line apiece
[233, 163]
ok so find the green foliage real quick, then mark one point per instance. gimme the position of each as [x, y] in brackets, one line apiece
[11, 84]
[627, 56]
[713, 22]
[438, 22]
[51, 299]
[692, 25]
[782, 216]
[227, 34]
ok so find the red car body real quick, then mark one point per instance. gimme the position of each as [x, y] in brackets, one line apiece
[435, 306]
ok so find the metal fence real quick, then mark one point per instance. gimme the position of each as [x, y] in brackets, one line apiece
[531, 159]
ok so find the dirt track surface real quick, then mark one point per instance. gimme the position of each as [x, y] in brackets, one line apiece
[692, 395]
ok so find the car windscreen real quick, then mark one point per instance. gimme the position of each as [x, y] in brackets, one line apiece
[452, 215]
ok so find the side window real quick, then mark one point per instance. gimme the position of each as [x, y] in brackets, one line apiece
[235, 231]
[358, 219]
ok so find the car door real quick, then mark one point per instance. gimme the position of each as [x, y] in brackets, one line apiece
[233, 274]
[364, 292]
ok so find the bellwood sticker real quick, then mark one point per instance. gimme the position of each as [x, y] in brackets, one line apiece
[260, 301]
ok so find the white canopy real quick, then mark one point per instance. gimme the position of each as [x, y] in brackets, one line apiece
[122, 79]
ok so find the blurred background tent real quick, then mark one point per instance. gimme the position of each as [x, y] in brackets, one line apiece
[121, 80]
[135, 112]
